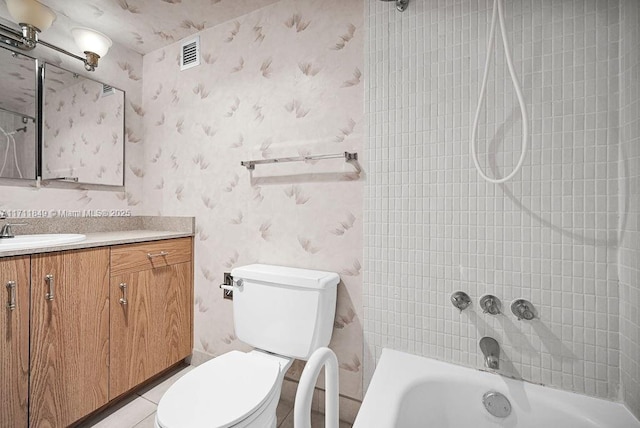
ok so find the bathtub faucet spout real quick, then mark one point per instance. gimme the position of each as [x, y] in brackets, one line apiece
[491, 351]
[491, 362]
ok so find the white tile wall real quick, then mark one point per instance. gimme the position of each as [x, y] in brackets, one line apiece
[432, 226]
[629, 171]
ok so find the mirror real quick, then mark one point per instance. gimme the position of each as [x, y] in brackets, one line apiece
[18, 103]
[82, 129]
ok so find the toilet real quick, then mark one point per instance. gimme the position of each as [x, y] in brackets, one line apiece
[284, 313]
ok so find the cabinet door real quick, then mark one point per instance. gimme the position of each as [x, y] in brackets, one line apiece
[14, 343]
[173, 331]
[69, 336]
[150, 324]
[131, 339]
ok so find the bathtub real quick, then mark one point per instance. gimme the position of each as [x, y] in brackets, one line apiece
[407, 391]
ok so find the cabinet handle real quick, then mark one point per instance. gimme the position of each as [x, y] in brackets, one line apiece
[160, 254]
[11, 288]
[123, 299]
[50, 281]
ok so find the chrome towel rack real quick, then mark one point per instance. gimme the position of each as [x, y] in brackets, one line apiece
[351, 158]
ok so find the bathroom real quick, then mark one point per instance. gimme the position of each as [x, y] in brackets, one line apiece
[411, 221]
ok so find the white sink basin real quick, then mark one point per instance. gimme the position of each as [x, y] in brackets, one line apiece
[23, 242]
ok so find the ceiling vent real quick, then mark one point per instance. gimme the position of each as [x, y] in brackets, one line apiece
[190, 53]
[107, 90]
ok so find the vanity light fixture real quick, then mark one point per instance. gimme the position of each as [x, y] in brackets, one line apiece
[94, 45]
[33, 17]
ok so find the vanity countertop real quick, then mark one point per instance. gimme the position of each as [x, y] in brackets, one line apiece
[102, 239]
[101, 231]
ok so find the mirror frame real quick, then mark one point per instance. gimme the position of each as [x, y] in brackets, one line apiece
[41, 118]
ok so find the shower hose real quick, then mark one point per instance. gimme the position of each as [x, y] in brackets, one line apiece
[498, 13]
[10, 139]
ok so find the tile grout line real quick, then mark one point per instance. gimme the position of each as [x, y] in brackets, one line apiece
[285, 417]
[155, 409]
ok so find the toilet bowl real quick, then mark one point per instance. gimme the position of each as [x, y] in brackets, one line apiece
[284, 313]
[236, 390]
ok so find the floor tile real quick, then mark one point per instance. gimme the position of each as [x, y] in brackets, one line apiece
[148, 422]
[282, 411]
[156, 390]
[287, 423]
[139, 411]
[317, 421]
[126, 414]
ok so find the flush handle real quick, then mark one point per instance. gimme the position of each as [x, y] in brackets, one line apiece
[123, 299]
[228, 285]
[50, 282]
[11, 288]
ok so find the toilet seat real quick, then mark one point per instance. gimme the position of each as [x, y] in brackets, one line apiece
[220, 393]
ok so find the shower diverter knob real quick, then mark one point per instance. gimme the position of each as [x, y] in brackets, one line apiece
[523, 309]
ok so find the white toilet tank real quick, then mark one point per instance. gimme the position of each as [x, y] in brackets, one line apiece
[284, 310]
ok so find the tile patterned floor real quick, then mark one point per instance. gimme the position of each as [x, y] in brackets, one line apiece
[139, 410]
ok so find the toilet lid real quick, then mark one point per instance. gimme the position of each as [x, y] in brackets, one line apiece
[219, 393]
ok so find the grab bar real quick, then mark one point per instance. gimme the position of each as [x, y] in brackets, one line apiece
[302, 408]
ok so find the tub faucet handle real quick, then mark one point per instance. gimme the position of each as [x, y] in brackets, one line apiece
[490, 304]
[460, 300]
[523, 310]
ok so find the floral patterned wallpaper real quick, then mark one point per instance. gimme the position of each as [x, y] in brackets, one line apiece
[82, 129]
[18, 88]
[146, 25]
[285, 80]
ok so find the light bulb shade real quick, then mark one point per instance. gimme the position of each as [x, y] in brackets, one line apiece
[89, 40]
[31, 12]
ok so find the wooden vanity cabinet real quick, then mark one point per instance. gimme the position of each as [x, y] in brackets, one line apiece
[69, 336]
[14, 343]
[82, 327]
[151, 310]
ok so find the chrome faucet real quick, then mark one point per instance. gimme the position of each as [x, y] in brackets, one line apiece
[6, 231]
[491, 350]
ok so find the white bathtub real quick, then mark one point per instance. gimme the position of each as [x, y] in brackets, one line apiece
[407, 391]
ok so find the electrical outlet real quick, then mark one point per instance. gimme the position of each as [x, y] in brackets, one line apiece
[228, 280]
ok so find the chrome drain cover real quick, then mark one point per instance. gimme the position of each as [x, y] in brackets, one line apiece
[496, 404]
